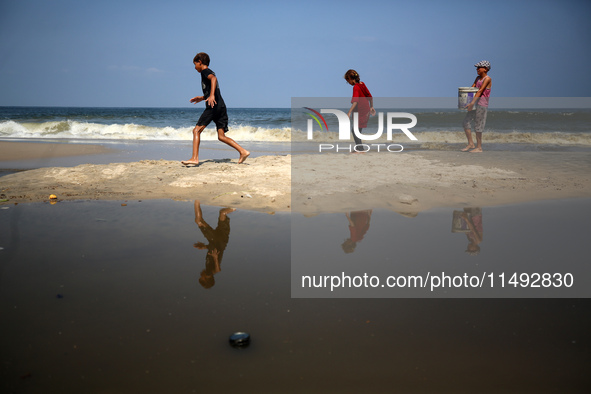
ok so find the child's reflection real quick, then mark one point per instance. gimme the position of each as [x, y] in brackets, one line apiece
[218, 240]
[469, 222]
[358, 226]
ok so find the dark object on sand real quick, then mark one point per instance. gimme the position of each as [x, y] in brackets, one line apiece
[239, 339]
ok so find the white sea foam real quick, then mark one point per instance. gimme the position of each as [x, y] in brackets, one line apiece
[514, 137]
[95, 131]
[81, 130]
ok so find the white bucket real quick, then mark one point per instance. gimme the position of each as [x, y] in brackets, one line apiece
[465, 96]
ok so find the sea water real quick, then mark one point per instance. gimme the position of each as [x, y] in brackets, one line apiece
[436, 129]
[147, 124]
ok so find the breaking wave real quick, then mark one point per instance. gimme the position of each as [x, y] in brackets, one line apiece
[69, 129]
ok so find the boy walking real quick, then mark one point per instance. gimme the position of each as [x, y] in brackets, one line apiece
[215, 110]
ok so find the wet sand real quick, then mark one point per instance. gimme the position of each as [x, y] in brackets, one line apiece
[404, 182]
[25, 150]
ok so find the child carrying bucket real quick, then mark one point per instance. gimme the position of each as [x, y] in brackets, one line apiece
[477, 109]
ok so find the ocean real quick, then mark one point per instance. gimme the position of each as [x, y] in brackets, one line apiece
[149, 124]
[437, 129]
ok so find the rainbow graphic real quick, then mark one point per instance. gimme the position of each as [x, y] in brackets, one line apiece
[316, 118]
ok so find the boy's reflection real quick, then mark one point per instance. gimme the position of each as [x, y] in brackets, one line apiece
[469, 222]
[358, 226]
[218, 240]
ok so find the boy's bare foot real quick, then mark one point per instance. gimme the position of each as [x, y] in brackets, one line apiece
[243, 157]
[477, 150]
[187, 162]
[466, 149]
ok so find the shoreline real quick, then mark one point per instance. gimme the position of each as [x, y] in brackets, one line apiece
[408, 182]
[17, 150]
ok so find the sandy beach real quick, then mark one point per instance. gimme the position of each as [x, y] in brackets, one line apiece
[403, 182]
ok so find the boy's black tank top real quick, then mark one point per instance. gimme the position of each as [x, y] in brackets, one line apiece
[206, 87]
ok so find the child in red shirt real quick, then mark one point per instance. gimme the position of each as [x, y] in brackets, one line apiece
[362, 102]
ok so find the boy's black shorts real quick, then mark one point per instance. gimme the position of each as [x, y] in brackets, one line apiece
[218, 114]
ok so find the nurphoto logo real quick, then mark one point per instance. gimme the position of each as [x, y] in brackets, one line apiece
[345, 130]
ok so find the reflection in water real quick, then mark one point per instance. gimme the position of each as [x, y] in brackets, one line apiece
[133, 320]
[469, 221]
[358, 226]
[218, 240]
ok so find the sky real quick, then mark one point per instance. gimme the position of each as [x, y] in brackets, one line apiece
[127, 53]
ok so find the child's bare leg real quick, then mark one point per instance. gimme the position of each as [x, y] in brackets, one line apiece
[196, 142]
[470, 141]
[227, 140]
[198, 213]
[478, 148]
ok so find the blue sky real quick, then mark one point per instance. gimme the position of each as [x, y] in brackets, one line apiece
[139, 53]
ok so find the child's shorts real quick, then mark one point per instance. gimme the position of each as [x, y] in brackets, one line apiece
[217, 114]
[477, 118]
